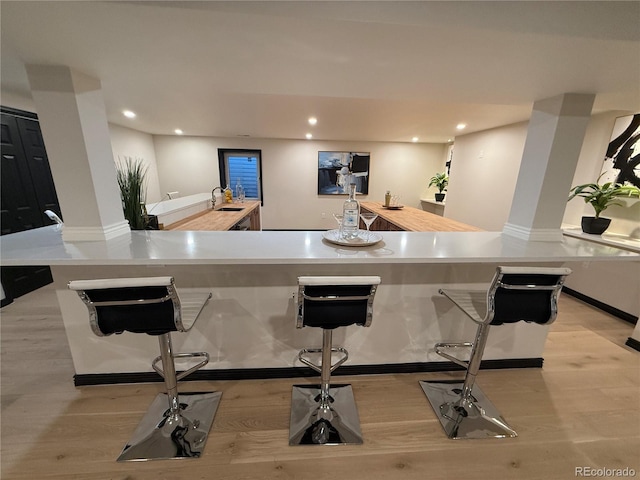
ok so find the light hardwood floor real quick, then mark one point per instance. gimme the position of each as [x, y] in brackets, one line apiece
[581, 409]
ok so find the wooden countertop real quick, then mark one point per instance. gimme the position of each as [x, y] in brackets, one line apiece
[416, 220]
[216, 219]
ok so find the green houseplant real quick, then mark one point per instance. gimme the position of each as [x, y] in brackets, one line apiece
[440, 181]
[131, 180]
[601, 197]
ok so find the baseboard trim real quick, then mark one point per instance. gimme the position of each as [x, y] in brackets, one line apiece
[298, 372]
[633, 343]
[627, 317]
[94, 234]
[532, 234]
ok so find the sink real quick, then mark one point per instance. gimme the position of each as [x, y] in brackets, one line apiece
[229, 209]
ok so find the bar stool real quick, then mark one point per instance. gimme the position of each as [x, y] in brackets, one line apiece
[326, 414]
[516, 294]
[175, 426]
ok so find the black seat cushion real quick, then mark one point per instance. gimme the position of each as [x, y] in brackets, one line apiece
[152, 319]
[533, 306]
[335, 313]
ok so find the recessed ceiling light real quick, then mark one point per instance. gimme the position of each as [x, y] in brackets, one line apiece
[129, 114]
[313, 120]
[309, 136]
[461, 126]
[415, 139]
[178, 131]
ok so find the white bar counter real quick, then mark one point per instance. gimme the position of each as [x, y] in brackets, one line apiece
[44, 246]
[250, 321]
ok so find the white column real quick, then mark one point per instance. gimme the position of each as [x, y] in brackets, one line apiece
[74, 125]
[554, 139]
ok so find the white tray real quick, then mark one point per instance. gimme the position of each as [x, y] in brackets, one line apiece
[362, 240]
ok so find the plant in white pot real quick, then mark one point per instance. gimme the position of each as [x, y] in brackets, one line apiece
[601, 197]
[440, 181]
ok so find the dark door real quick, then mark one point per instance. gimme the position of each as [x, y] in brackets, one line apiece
[38, 164]
[27, 191]
[17, 281]
[20, 209]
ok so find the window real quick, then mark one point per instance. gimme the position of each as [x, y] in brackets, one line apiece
[242, 166]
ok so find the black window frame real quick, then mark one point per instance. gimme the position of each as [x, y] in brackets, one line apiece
[222, 166]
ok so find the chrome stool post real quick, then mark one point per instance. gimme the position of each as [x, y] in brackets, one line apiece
[326, 414]
[516, 294]
[175, 425]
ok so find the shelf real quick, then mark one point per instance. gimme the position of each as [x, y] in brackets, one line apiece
[611, 239]
[428, 200]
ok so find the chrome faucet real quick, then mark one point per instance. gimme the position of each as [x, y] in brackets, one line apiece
[213, 197]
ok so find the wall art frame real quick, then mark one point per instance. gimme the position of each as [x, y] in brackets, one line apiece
[622, 160]
[336, 170]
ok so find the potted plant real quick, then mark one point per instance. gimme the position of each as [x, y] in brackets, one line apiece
[440, 181]
[130, 175]
[600, 197]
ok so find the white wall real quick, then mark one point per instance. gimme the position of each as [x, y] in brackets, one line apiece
[484, 172]
[624, 221]
[126, 142]
[613, 283]
[187, 164]
[289, 168]
[18, 101]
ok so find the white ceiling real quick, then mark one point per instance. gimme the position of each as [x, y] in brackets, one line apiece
[367, 70]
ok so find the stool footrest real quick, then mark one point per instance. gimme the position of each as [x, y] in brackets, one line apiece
[318, 368]
[473, 417]
[439, 349]
[181, 375]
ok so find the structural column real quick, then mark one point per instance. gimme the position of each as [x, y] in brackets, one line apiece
[554, 139]
[74, 125]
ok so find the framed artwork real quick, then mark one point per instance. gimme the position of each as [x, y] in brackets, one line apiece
[336, 170]
[622, 160]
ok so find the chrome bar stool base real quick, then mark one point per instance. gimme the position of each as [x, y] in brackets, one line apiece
[516, 294]
[175, 425]
[312, 424]
[159, 437]
[475, 417]
[326, 414]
